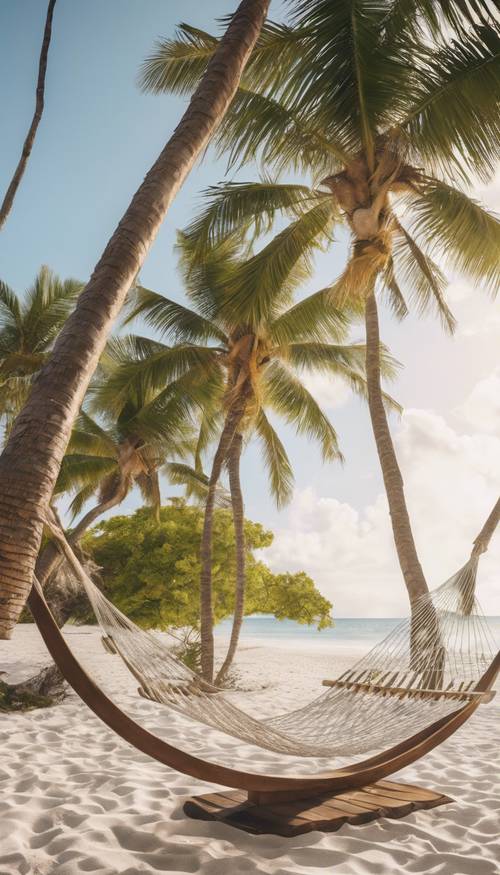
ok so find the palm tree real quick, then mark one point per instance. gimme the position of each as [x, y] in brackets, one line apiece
[32, 457]
[109, 455]
[28, 329]
[248, 364]
[382, 105]
[15, 182]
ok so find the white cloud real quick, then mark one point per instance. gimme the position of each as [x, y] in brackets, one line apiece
[483, 404]
[329, 392]
[452, 482]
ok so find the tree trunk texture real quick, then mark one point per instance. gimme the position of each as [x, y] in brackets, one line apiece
[15, 182]
[233, 419]
[32, 457]
[426, 647]
[482, 540]
[239, 533]
[393, 480]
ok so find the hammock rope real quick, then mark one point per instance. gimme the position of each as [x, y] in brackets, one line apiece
[424, 670]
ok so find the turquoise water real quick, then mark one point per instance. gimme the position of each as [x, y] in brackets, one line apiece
[346, 631]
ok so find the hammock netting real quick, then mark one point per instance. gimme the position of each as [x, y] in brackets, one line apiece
[425, 669]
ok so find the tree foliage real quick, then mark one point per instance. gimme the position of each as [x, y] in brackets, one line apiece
[151, 570]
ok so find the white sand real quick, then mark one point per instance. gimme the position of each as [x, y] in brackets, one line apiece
[75, 798]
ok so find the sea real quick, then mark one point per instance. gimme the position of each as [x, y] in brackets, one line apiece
[346, 633]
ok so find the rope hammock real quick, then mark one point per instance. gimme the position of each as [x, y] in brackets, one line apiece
[423, 671]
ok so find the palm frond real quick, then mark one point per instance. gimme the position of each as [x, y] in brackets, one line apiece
[314, 318]
[260, 287]
[346, 362]
[259, 128]
[285, 394]
[460, 230]
[393, 294]
[232, 205]
[89, 437]
[80, 499]
[277, 463]
[176, 65]
[128, 348]
[423, 278]
[143, 379]
[10, 309]
[348, 78]
[195, 483]
[454, 122]
[47, 304]
[415, 18]
[172, 319]
[82, 471]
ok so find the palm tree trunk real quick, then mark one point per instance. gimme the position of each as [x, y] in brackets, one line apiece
[239, 533]
[11, 192]
[393, 480]
[233, 419]
[32, 457]
[427, 652]
[484, 537]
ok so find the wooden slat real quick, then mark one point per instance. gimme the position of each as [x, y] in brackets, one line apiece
[324, 813]
[415, 692]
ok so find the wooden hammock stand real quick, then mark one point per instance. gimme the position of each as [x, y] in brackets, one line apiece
[283, 805]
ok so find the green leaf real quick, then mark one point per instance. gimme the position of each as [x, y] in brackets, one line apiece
[461, 231]
[314, 318]
[260, 287]
[423, 278]
[172, 319]
[285, 394]
[233, 205]
[453, 125]
[277, 463]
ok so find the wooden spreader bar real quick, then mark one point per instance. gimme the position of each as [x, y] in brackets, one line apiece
[410, 692]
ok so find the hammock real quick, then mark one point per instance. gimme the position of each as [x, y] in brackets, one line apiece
[425, 670]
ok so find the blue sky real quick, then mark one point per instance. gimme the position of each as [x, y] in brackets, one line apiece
[98, 137]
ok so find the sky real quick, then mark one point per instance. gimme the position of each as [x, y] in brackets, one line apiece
[98, 137]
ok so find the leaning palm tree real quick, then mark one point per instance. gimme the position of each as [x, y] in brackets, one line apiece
[249, 364]
[43, 429]
[29, 326]
[382, 105]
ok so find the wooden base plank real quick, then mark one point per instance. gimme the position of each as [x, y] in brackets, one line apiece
[324, 813]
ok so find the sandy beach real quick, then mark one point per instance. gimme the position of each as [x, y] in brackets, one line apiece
[75, 798]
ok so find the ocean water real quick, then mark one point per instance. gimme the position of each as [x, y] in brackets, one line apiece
[345, 633]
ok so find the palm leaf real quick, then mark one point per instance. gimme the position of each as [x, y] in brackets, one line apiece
[231, 206]
[454, 122]
[346, 362]
[277, 463]
[285, 394]
[79, 470]
[314, 318]
[259, 127]
[177, 65]
[260, 287]
[10, 309]
[394, 295]
[422, 277]
[171, 318]
[460, 230]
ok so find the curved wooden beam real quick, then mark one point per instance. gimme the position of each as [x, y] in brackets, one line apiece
[356, 775]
